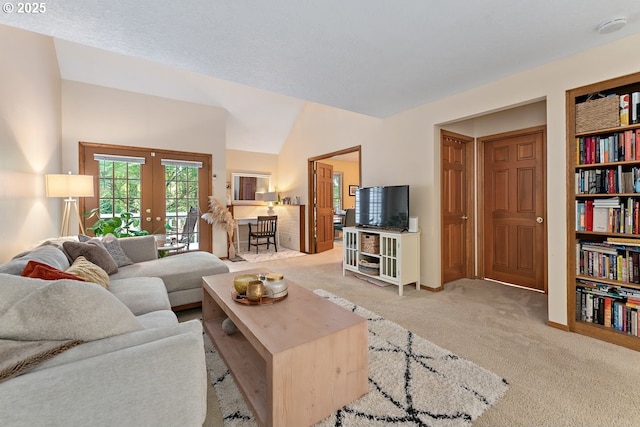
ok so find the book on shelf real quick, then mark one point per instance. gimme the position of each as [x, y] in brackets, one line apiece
[624, 109]
[635, 105]
[600, 219]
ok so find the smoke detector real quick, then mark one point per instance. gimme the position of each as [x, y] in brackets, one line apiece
[611, 25]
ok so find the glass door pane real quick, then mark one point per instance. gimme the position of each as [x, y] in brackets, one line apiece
[182, 203]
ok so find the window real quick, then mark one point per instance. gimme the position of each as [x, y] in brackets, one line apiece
[337, 191]
[119, 182]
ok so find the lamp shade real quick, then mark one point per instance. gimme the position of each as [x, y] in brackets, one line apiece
[61, 185]
[270, 196]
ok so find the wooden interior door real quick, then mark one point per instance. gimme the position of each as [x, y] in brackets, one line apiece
[457, 207]
[324, 207]
[515, 207]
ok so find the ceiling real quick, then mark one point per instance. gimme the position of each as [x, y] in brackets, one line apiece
[263, 60]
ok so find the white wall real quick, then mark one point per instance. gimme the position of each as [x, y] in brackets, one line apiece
[421, 127]
[321, 130]
[29, 138]
[104, 115]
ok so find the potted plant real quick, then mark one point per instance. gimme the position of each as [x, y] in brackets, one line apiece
[124, 225]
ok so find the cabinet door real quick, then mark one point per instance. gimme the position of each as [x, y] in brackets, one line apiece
[389, 256]
[350, 247]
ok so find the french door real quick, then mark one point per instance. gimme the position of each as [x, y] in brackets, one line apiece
[165, 191]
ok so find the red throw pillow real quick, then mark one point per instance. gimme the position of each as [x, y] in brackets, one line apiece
[39, 270]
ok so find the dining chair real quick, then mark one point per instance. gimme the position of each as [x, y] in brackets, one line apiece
[265, 228]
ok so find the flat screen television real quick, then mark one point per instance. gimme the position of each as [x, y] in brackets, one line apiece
[383, 207]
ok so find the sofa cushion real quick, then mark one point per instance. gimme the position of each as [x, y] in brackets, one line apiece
[39, 270]
[178, 272]
[112, 244]
[140, 248]
[35, 309]
[89, 272]
[46, 254]
[141, 294]
[93, 251]
[157, 319]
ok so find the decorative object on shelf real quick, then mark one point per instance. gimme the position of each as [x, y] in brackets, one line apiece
[69, 186]
[242, 299]
[255, 290]
[241, 282]
[228, 327]
[369, 267]
[275, 285]
[600, 113]
[370, 243]
[219, 215]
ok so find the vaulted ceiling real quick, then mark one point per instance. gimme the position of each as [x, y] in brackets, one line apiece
[262, 60]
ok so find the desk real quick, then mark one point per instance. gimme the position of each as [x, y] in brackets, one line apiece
[239, 222]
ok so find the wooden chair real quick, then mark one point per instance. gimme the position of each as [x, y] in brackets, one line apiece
[265, 228]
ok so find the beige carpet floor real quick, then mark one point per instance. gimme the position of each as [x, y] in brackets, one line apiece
[555, 378]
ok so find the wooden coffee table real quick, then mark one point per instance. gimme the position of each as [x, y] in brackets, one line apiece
[295, 361]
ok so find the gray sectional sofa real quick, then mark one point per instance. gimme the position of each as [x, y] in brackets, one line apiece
[78, 354]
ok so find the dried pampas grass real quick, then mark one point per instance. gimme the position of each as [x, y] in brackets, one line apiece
[219, 215]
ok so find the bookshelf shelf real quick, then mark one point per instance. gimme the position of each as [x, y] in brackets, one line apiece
[603, 217]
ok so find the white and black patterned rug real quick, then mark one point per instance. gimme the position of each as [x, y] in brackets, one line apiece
[412, 382]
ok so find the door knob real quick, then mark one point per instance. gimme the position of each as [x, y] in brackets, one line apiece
[539, 220]
[158, 218]
[464, 217]
[148, 219]
[148, 210]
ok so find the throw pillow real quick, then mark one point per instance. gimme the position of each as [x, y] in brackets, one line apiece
[39, 270]
[35, 309]
[93, 251]
[112, 244]
[89, 272]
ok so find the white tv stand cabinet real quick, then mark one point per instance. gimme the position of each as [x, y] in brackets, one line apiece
[398, 255]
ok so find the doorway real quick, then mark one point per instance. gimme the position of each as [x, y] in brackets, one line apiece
[512, 208]
[458, 219]
[510, 245]
[320, 219]
[165, 191]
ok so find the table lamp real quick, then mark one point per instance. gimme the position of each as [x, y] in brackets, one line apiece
[69, 186]
[269, 196]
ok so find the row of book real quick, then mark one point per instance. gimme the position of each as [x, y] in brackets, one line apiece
[607, 180]
[617, 147]
[610, 215]
[606, 260]
[606, 307]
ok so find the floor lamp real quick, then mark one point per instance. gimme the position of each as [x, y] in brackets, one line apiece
[69, 186]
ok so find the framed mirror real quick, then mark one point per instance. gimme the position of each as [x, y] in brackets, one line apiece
[244, 187]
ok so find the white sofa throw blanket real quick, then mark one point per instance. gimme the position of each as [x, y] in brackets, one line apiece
[34, 309]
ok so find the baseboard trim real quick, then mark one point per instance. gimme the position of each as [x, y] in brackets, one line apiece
[558, 326]
[430, 289]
